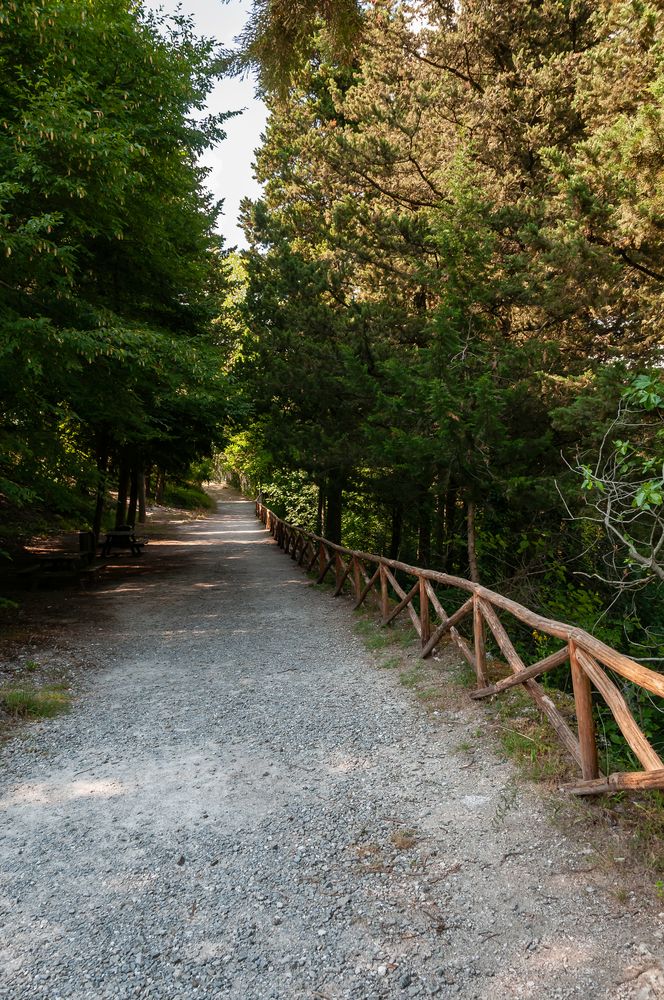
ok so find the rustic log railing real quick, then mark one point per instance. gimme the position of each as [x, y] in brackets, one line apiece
[364, 574]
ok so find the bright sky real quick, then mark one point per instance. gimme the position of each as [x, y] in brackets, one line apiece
[231, 176]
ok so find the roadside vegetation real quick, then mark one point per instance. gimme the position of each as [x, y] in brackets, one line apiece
[32, 702]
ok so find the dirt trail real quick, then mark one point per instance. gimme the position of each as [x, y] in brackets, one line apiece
[242, 806]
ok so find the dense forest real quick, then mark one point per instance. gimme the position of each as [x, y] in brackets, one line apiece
[454, 301]
[445, 341]
[112, 279]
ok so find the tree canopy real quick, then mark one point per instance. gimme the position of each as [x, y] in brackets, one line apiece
[280, 37]
[456, 269]
[112, 271]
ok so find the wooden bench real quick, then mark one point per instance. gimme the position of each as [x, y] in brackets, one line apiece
[123, 538]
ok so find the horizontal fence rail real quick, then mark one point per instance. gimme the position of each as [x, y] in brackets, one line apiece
[364, 574]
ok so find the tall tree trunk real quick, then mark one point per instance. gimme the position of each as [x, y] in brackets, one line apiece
[160, 486]
[123, 489]
[450, 529]
[472, 547]
[141, 493]
[442, 485]
[396, 531]
[102, 469]
[424, 533]
[334, 496]
[133, 495]
[321, 509]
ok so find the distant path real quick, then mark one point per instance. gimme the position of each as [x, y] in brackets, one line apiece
[231, 810]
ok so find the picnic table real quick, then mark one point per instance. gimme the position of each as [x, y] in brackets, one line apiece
[123, 538]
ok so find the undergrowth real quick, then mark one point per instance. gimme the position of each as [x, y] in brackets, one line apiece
[187, 496]
[28, 702]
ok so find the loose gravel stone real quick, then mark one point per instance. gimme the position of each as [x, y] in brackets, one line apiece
[217, 818]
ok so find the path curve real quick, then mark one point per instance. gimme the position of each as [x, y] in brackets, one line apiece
[242, 806]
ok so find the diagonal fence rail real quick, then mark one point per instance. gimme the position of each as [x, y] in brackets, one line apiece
[364, 574]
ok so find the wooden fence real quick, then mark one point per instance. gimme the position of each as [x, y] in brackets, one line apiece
[588, 657]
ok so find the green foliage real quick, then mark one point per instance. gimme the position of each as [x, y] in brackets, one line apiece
[648, 710]
[187, 496]
[646, 391]
[292, 496]
[365, 523]
[454, 283]
[624, 485]
[112, 273]
[34, 702]
[279, 37]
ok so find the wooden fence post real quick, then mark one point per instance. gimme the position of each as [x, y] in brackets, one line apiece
[357, 578]
[384, 595]
[425, 621]
[322, 557]
[584, 715]
[480, 643]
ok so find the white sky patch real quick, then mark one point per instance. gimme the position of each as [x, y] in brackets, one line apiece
[231, 174]
[418, 19]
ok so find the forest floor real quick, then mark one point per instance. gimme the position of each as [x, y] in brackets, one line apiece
[240, 804]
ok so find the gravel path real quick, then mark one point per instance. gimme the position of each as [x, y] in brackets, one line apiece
[243, 806]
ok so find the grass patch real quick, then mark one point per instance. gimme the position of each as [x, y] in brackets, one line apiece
[373, 636]
[411, 678]
[526, 737]
[34, 703]
[463, 674]
[187, 496]
[403, 636]
[429, 694]
[376, 636]
[390, 663]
